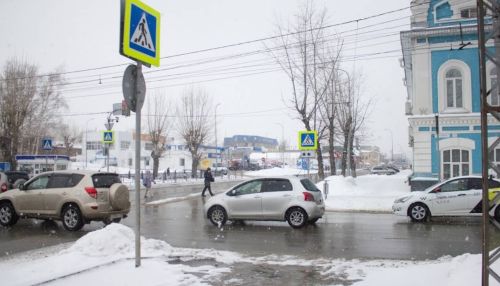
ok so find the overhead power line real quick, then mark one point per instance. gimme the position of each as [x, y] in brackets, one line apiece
[241, 43]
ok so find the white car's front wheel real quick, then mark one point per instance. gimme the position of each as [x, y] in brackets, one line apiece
[418, 212]
[217, 216]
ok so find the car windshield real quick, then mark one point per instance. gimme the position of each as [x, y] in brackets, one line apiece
[308, 185]
[105, 180]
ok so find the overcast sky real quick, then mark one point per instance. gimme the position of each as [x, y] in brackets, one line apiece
[76, 35]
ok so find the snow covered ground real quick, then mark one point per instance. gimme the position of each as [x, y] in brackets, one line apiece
[106, 256]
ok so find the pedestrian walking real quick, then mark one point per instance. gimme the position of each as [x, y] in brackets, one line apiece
[168, 173]
[147, 182]
[208, 179]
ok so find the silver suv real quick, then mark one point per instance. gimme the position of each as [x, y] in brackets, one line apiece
[74, 197]
[296, 200]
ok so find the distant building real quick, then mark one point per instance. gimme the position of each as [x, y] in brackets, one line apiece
[122, 152]
[369, 156]
[258, 143]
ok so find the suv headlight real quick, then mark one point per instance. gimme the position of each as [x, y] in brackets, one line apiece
[402, 200]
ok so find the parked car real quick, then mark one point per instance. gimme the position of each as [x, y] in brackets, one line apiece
[382, 170]
[459, 196]
[4, 182]
[292, 199]
[74, 197]
[16, 178]
[219, 169]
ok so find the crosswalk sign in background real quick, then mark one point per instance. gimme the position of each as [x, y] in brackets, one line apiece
[108, 137]
[47, 144]
[308, 140]
[141, 33]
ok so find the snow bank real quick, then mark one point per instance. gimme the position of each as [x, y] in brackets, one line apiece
[365, 193]
[287, 171]
[107, 256]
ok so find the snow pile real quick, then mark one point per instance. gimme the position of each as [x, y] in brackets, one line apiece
[108, 252]
[273, 172]
[118, 240]
[107, 255]
[365, 193]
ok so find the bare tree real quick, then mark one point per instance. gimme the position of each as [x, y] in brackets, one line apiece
[303, 54]
[70, 135]
[158, 126]
[194, 125]
[351, 117]
[28, 105]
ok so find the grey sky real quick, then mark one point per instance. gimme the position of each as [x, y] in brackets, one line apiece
[78, 35]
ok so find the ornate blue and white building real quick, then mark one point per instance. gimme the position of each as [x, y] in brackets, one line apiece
[441, 65]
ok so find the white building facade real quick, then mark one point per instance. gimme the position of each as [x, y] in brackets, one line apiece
[122, 151]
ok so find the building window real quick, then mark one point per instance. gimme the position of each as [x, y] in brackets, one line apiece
[454, 91]
[148, 146]
[495, 157]
[94, 145]
[182, 162]
[124, 145]
[130, 162]
[494, 97]
[456, 163]
[468, 13]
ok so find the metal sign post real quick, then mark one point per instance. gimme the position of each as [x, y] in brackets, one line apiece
[138, 176]
[140, 41]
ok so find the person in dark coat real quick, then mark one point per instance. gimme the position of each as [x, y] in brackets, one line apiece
[208, 179]
[148, 178]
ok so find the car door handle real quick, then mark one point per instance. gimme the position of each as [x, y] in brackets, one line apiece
[257, 197]
[287, 195]
[461, 195]
[64, 193]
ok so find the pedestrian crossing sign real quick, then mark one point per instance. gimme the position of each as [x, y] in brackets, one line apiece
[47, 144]
[308, 140]
[140, 32]
[108, 137]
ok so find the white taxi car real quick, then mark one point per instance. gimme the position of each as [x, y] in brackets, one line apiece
[459, 196]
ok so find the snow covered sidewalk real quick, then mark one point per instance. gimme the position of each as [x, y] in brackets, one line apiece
[106, 256]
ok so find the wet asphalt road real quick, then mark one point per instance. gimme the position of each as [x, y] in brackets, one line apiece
[337, 235]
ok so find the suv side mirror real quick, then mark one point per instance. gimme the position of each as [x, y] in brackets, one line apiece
[22, 187]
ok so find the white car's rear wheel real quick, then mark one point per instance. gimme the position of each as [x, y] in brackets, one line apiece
[296, 217]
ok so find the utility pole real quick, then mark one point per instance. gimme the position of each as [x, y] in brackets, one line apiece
[493, 7]
[216, 149]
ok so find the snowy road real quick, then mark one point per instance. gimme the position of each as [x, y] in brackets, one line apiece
[337, 235]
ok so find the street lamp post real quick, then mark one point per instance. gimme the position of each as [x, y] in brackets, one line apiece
[392, 144]
[283, 143]
[86, 140]
[216, 149]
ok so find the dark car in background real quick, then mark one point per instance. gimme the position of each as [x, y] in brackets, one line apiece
[15, 178]
[383, 170]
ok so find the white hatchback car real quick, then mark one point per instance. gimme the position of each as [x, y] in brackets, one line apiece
[459, 196]
[296, 200]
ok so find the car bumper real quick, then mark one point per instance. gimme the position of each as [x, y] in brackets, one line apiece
[399, 209]
[315, 210]
[95, 211]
